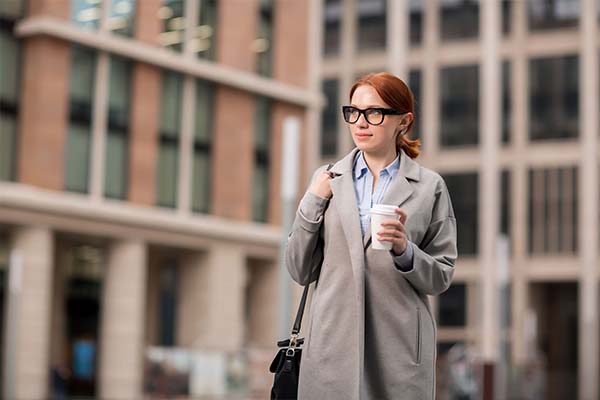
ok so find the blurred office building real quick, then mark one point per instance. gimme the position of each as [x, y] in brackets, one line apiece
[507, 112]
[139, 192]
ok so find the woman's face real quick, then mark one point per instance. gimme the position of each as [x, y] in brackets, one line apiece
[375, 139]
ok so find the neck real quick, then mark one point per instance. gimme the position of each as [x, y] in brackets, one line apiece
[377, 162]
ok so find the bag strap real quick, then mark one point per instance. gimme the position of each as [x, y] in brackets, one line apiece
[300, 312]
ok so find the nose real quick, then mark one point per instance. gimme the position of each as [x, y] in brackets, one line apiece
[362, 121]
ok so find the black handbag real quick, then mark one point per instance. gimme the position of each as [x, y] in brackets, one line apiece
[286, 364]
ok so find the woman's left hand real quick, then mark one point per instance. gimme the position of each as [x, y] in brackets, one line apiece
[395, 232]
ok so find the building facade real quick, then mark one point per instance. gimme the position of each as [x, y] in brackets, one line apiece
[139, 191]
[507, 112]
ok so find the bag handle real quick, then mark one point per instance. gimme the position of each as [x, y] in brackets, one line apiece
[300, 312]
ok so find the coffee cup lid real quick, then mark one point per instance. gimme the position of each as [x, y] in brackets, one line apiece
[383, 209]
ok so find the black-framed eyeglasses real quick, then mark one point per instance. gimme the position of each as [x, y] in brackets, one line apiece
[373, 115]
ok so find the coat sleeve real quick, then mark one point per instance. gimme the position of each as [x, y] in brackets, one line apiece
[304, 250]
[434, 257]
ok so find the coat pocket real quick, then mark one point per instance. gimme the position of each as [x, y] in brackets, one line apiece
[418, 338]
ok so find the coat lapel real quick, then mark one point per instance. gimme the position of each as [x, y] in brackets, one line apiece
[400, 188]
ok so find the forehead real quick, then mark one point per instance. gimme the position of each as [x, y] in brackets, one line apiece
[366, 96]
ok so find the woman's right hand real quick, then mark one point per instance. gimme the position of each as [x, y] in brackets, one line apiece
[320, 186]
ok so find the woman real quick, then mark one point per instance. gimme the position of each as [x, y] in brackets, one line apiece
[371, 333]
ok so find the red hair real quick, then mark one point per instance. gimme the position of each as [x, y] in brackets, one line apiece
[398, 96]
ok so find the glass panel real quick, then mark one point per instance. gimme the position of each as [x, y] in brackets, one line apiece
[464, 193]
[329, 120]
[78, 156]
[460, 106]
[81, 89]
[173, 24]
[371, 30]
[86, 13]
[167, 173]
[260, 194]
[263, 44]
[506, 16]
[12, 9]
[452, 306]
[118, 128]
[332, 16]
[9, 100]
[552, 14]
[414, 82]
[459, 19]
[416, 21]
[506, 102]
[205, 35]
[553, 210]
[9, 68]
[168, 158]
[122, 17]
[505, 202]
[201, 171]
[170, 112]
[554, 98]
[8, 138]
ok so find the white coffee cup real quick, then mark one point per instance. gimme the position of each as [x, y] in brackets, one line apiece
[380, 213]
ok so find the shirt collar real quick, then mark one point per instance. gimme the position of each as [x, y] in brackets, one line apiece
[361, 168]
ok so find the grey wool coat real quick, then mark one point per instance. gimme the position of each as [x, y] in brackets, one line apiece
[371, 331]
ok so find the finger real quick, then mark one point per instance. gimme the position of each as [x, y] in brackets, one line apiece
[403, 215]
[396, 225]
[390, 232]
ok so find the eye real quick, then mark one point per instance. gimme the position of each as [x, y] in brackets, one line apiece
[373, 112]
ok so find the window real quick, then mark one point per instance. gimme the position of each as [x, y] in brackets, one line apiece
[506, 16]
[452, 306]
[554, 98]
[414, 82]
[371, 30]
[459, 19]
[416, 21]
[505, 202]
[553, 210]
[330, 118]
[10, 65]
[81, 91]
[460, 106]
[332, 16]
[172, 19]
[464, 193]
[167, 318]
[170, 123]
[552, 14]
[263, 44]
[260, 195]
[201, 170]
[205, 35]
[116, 159]
[122, 17]
[506, 103]
[86, 14]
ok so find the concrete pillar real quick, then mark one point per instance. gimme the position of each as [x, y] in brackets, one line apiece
[347, 56]
[204, 323]
[519, 224]
[122, 325]
[27, 339]
[588, 204]
[430, 96]
[398, 34]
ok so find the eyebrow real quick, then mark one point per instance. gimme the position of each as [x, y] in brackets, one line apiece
[369, 106]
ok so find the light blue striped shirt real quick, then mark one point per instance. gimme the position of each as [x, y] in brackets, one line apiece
[366, 198]
[363, 184]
